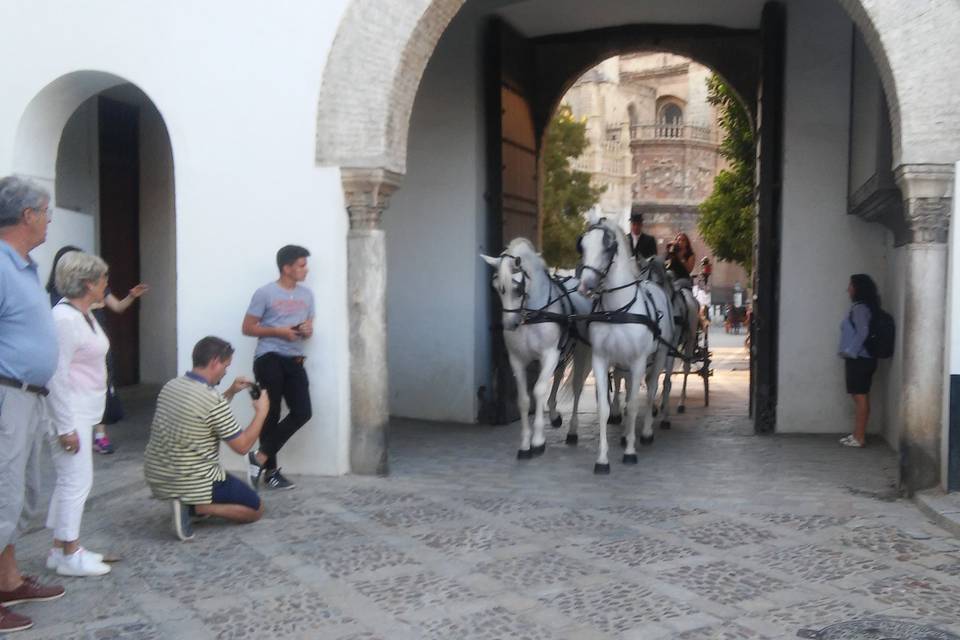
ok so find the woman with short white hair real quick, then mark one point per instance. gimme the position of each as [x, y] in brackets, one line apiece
[77, 395]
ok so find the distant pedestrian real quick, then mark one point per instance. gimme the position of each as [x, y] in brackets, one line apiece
[182, 459]
[859, 364]
[78, 392]
[280, 316]
[113, 408]
[28, 359]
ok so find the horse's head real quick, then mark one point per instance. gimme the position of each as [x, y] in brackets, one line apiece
[597, 248]
[512, 275]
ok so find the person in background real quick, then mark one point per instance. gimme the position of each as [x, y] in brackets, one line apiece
[78, 392]
[858, 363]
[280, 316]
[28, 359]
[113, 409]
[182, 458]
[643, 246]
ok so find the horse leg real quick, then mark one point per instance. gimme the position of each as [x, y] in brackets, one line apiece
[548, 362]
[523, 403]
[581, 368]
[602, 465]
[653, 376]
[555, 418]
[682, 407]
[667, 387]
[633, 406]
[616, 414]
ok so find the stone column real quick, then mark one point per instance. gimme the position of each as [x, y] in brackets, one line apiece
[927, 192]
[367, 195]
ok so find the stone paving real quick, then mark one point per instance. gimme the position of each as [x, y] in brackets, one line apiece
[716, 534]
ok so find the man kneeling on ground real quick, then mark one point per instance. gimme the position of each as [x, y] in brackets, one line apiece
[182, 459]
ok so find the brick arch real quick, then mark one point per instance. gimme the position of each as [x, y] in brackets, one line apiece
[364, 124]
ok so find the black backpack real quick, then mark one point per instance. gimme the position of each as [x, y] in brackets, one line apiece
[883, 334]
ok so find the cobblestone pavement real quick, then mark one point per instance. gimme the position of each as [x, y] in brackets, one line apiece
[716, 534]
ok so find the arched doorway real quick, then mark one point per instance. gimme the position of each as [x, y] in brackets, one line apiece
[101, 147]
[383, 147]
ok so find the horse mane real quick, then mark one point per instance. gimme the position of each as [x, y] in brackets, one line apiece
[623, 246]
[657, 271]
[524, 249]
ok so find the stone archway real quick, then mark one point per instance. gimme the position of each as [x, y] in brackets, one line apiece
[362, 128]
[67, 140]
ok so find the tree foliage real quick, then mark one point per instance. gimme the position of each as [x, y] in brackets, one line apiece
[567, 193]
[726, 218]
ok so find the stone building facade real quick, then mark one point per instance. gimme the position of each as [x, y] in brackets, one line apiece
[654, 141]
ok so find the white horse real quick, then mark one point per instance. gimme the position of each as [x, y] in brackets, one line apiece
[536, 309]
[639, 313]
[686, 322]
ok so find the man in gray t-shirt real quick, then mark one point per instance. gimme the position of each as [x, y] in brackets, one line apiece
[280, 316]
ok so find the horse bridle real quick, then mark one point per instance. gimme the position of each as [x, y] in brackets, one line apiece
[541, 315]
[610, 248]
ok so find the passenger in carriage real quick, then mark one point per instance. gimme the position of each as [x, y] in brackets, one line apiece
[680, 260]
[642, 246]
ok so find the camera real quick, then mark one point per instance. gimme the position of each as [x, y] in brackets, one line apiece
[255, 391]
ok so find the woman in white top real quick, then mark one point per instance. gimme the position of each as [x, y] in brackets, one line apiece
[77, 395]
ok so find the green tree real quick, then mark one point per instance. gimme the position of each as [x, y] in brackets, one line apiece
[567, 193]
[727, 216]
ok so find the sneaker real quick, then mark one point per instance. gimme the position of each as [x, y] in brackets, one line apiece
[254, 470]
[31, 591]
[10, 621]
[181, 521]
[275, 480]
[102, 445]
[56, 555]
[81, 564]
[850, 441]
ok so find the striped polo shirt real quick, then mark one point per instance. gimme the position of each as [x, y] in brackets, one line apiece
[182, 459]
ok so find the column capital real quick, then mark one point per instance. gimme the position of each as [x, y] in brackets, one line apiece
[366, 193]
[927, 200]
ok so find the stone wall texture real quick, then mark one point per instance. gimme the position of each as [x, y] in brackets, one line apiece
[387, 43]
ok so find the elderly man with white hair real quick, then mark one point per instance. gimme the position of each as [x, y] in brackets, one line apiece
[78, 392]
[28, 358]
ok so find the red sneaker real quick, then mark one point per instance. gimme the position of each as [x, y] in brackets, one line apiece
[31, 591]
[10, 621]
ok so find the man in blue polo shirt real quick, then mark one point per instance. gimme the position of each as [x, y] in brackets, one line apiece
[28, 358]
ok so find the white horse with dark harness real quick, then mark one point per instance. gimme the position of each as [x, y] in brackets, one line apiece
[537, 311]
[631, 323]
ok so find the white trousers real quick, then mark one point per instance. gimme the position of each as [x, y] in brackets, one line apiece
[74, 472]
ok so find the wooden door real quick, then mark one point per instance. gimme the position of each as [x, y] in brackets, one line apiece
[512, 190]
[119, 133]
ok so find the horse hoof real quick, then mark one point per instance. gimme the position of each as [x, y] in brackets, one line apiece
[655, 412]
[524, 454]
[556, 422]
[623, 441]
[614, 419]
[629, 458]
[601, 469]
[681, 409]
[538, 451]
[646, 441]
[573, 438]
[665, 424]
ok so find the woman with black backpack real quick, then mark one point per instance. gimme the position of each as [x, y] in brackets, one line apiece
[859, 363]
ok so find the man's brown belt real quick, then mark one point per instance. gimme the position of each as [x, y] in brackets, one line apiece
[16, 384]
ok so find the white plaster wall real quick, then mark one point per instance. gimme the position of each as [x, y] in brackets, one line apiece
[438, 338]
[822, 246]
[866, 111]
[158, 237]
[890, 391]
[78, 162]
[237, 83]
[952, 323]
